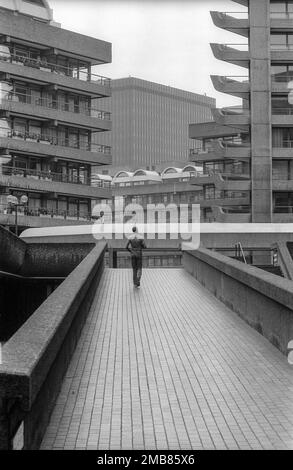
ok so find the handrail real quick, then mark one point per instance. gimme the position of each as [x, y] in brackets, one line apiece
[239, 252]
[42, 64]
[55, 104]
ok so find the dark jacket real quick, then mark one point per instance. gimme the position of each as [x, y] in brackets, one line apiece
[135, 246]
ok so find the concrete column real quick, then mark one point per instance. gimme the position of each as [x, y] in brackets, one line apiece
[260, 105]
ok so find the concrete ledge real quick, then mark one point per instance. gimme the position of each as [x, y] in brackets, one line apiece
[36, 357]
[262, 299]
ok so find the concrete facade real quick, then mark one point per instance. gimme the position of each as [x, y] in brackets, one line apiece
[49, 116]
[150, 122]
[260, 142]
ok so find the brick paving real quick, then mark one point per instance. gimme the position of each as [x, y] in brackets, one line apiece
[168, 366]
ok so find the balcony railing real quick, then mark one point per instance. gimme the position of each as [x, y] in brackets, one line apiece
[276, 78]
[285, 144]
[42, 64]
[62, 142]
[282, 47]
[52, 176]
[8, 209]
[238, 46]
[281, 15]
[283, 210]
[51, 104]
[237, 78]
[282, 111]
[239, 15]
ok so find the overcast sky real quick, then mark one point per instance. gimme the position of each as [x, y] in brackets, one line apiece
[164, 41]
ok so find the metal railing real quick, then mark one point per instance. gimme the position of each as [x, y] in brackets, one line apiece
[276, 78]
[236, 14]
[236, 78]
[239, 253]
[238, 46]
[282, 47]
[281, 15]
[55, 104]
[51, 176]
[10, 209]
[282, 111]
[49, 140]
[68, 71]
[283, 209]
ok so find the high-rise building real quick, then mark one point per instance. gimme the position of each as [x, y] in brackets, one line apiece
[247, 150]
[49, 115]
[150, 123]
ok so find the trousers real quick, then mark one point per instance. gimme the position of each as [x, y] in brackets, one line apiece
[136, 262]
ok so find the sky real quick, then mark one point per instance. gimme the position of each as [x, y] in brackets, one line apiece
[164, 41]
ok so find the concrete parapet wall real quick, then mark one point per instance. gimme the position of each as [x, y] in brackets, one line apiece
[262, 299]
[35, 359]
[12, 251]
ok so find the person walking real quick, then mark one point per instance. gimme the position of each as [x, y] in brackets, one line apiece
[135, 246]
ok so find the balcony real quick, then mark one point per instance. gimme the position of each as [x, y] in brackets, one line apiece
[222, 181]
[50, 182]
[282, 53]
[222, 150]
[285, 151]
[282, 117]
[222, 214]
[41, 217]
[235, 22]
[45, 73]
[49, 110]
[233, 85]
[282, 83]
[43, 145]
[235, 116]
[281, 21]
[237, 54]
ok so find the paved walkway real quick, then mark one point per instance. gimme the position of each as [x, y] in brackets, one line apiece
[168, 366]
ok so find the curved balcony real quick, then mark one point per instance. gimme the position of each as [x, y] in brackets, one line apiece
[234, 116]
[233, 85]
[37, 144]
[237, 54]
[235, 22]
[222, 214]
[225, 182]
[47, 73]
[282, 117]
[27, 106]
[221, 150]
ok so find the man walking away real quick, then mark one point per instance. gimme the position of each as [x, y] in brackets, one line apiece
[135, 246]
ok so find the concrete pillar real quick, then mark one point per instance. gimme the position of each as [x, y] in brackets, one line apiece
[260, 105]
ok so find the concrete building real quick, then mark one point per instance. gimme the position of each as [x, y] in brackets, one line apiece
[247, 153]
[150, 123]
[48, 119]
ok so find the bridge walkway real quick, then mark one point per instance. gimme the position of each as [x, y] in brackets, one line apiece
[168, 366]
